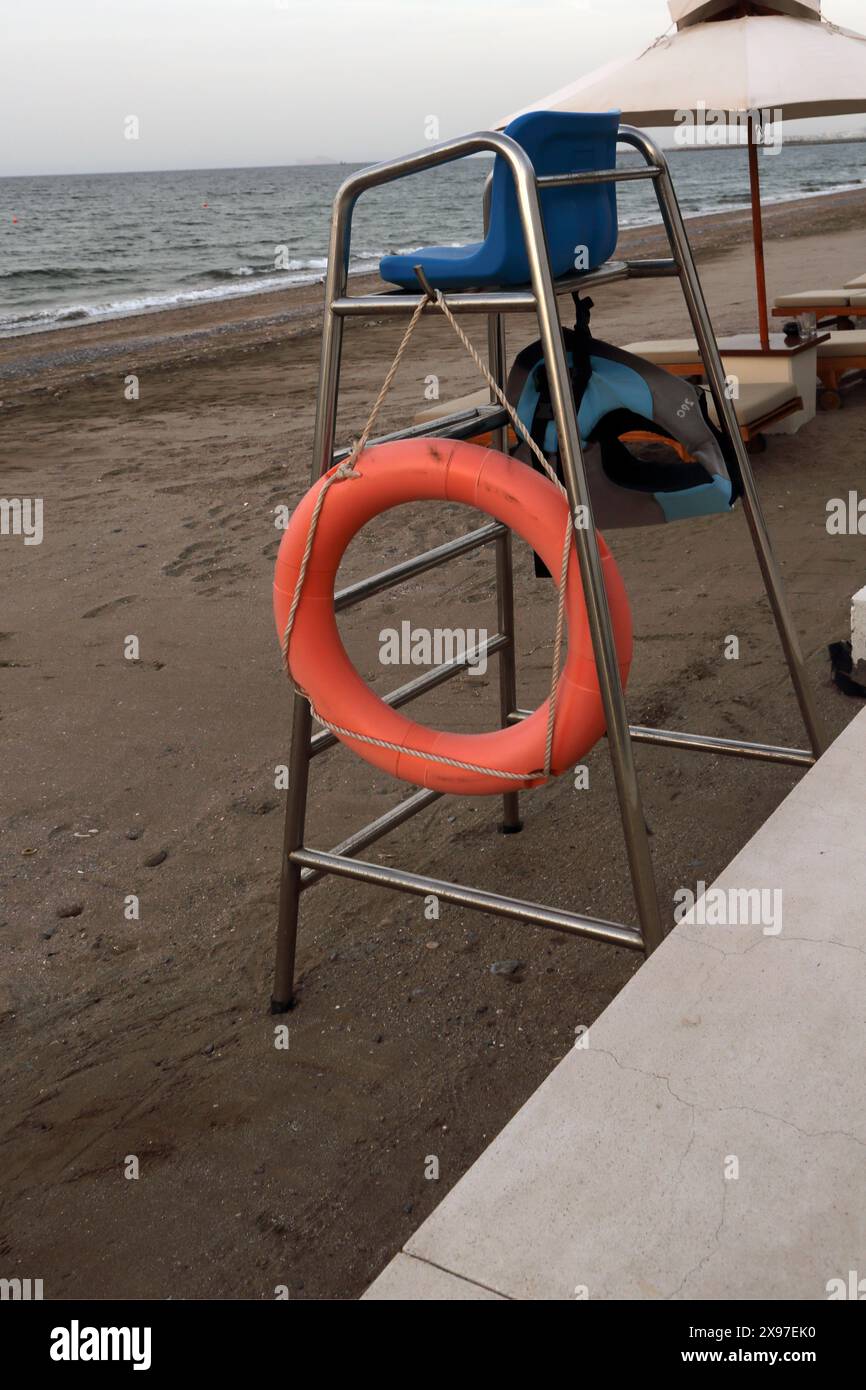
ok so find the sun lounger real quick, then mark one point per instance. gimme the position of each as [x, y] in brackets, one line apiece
[762, 404]
[844, 355]
[839, 355]
[678, 355]
[759, 405]
[477, 400]
[839, 305]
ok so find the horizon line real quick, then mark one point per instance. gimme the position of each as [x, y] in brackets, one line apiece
[324, 162]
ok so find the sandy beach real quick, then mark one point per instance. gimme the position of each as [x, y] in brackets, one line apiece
[305, 1167]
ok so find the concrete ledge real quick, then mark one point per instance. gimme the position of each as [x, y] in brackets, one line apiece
[732, 1050]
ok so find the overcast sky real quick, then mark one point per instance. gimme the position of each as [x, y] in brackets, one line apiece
[255, 82]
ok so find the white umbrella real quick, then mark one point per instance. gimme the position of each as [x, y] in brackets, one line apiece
[777, 57]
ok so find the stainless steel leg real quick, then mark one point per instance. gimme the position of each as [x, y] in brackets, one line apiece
[299, 759]
[511, 822]
[702, 324]
[290, 877]
[574, 471]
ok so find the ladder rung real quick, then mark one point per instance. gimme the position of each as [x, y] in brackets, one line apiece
[368, 834]
[421, 684]
[385, 876]
[419, 564]
[465, 424]
[708, 743]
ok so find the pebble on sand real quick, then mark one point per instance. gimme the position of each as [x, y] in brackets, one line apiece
[158, 858]
[507, 967]
[70, 910]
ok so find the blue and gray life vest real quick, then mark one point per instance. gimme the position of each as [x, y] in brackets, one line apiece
[617, 393]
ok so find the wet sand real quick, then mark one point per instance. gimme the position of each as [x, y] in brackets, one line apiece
[305, 1167]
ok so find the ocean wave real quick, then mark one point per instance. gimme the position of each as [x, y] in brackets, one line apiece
[221, 284]
[267, 270]
[35, 321]
[249, 278]
[707, 209]
[57, 272]
[239, 272]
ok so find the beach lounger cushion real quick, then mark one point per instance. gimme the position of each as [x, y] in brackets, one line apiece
[664, 350]
[757, 400]
[581, 223]
[442, 408]
[851, 344]
[822, 299]
[842, 359]
[679, 351]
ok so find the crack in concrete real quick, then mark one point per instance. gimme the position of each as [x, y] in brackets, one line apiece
[693, 1107]
[717, 1238]
[781, 936]
[723, 1109]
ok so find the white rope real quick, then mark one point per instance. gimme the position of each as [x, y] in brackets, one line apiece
[430, 757]
[347, 470]
[521, 430]
[503, 400]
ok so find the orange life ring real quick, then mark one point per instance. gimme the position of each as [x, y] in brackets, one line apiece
[528, 503]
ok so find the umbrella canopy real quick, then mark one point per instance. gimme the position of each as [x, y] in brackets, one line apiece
[693, 11]
[779, 57]
[742, 57]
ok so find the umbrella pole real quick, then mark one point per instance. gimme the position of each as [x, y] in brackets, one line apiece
[758, 237]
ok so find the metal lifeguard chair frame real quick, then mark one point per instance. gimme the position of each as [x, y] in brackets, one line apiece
[302, 866]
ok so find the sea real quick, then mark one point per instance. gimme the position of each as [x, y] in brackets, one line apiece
[101, 246]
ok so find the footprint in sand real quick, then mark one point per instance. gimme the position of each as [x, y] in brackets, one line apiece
[108, 607]
[195, 556]
[253, 806]
[221, 572]
[206, 561]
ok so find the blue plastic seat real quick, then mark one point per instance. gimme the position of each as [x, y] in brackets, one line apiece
[557, 143]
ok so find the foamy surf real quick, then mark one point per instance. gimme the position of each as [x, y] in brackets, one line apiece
[93, 248]
[242, 283]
